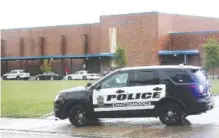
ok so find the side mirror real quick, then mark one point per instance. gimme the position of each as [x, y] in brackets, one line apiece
[98, 87]
[89, 84]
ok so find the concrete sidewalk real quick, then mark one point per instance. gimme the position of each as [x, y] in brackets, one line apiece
[36, 125]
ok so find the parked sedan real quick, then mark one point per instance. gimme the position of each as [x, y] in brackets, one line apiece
[49, 76]
[82, 75]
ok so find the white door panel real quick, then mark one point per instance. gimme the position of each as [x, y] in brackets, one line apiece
[144, 97]
[108, 99]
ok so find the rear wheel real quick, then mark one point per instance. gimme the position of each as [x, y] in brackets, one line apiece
[18, 78]
[69, 78]
[78, 116]
[171, 114]
[4, 78]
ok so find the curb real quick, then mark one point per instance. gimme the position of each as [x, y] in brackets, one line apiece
[47, 115]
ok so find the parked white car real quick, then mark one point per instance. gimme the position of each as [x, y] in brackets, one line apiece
[16, 74]
[82, 75]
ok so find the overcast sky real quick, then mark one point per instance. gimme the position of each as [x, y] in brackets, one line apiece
[33, 13]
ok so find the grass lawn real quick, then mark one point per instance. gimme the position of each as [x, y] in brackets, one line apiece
[31, 98]
[215, 86]
[35, 98]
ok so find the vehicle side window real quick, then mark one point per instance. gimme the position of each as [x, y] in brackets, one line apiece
[13, 71]
[81, 72]
[116, 81]
[180, 76]
[144, 78]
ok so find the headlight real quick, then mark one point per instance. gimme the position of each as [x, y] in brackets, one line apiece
[60, 96]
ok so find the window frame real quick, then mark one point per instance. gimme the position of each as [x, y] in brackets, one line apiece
[115, 73]
[181, 70]
[113, 76]
[154, 71]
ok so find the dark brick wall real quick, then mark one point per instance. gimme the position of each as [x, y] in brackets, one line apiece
[184, 23]
[164, 28]
[185, 41]
[137, 33]
[52, 45]
[141, 34]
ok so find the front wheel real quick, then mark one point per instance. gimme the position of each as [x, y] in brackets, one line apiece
[78, 116]
[171, 114]
[84, 78]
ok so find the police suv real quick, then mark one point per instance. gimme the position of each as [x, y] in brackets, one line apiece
[168, 92]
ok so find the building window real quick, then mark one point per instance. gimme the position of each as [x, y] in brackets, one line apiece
[21, 47]
[63, 45]
[2, 48]
[85, 44]
[42, 46]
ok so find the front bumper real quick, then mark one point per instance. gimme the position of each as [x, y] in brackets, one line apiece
[59, 110]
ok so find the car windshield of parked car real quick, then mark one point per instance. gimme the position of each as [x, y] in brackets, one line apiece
[21, 71]
[13, 71]
[51, 73]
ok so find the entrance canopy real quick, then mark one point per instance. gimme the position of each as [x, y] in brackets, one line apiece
[185, 53]
[99, 55]
[178, 52]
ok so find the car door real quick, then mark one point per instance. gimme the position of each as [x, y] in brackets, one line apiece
[77, 75]
[80, 75]
[111, 94]
[12, 75]
[144, 90]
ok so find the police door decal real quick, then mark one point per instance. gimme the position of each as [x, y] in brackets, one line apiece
[145, 97]
[110, 99]
[128, 98]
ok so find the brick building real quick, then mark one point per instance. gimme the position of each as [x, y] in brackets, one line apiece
[148, 38]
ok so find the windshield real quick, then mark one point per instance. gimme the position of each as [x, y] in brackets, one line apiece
[199, 74]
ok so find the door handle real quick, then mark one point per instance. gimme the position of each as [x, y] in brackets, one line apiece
[157, 89]
[120, 91]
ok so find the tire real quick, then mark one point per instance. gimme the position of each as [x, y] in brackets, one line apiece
[18, 78]
[171, 114]
[69, 78]
[78, 116]
[4, 78]
[84, 78]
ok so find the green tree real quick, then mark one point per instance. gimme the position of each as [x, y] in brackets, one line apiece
[119, 57]
[46, 66]
[211, 51]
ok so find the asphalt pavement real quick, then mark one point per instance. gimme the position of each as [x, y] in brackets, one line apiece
[205, 125]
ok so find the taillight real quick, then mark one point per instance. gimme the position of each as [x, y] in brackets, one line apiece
[197, 89]
[201, 89]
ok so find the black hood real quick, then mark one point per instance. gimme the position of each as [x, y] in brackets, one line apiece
[74, 89]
